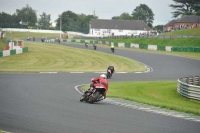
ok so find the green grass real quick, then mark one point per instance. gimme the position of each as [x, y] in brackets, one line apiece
[157, 93]
[3, 131]
[52, 57]
[2, 44]
[24, 35]
[160, 41]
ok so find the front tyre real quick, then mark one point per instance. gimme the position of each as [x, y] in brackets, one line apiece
[82, 98]
[93, 98]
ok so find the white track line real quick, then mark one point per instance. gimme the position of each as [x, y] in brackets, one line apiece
[76, 72]
[48, 72]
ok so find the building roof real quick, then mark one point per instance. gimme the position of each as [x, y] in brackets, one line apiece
[119, 24]
[189, 19]
[171, 23]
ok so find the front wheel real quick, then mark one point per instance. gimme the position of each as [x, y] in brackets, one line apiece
[82, 98]
[108, 75]
[94, 97]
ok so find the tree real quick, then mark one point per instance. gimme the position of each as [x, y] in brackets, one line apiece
[69, 21]
[44, 21]
[26, 14]
[74, 22]
[116, 17]
[198, 13]
[84, 22]
[5, 20]
[143, 12]
[185, 7]
[159, 28]
[123, 16]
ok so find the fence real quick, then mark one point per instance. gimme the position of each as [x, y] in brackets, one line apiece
[153, 36]
[189, 87]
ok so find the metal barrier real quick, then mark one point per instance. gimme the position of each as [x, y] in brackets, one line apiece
[189, 87]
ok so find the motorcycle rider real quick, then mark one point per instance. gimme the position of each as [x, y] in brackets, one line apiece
[94, 45]
[111, 68]
[86, 43]
[58, 40]
[112, 47]
[99, 80]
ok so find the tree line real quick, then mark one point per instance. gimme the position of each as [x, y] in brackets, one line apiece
[70, 21]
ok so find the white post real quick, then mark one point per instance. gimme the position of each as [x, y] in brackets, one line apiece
[60, 27]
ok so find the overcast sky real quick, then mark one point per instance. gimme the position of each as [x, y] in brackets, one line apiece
[104, 9]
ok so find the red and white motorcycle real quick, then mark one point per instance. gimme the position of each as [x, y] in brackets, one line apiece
[94, 95]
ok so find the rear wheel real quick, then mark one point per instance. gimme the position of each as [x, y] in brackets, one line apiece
[107, 75]
[94, 97]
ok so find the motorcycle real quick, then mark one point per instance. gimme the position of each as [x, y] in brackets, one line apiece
[109, 74]
[113, 50]
[42, 40]
[94, 95]
[95, 47]
[86, 45]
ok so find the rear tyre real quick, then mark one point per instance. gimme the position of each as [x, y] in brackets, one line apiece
[107, 75]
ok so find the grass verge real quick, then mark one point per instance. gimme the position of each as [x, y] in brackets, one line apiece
[187, 42]
[3, 131]
[157, 93]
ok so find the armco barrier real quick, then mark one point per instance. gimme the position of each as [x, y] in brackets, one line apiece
[25, 49]
[196, 49]
[185, 49]
[162, 48]
[12, 52]
[127, 45]
[143, 46]
[189, 87]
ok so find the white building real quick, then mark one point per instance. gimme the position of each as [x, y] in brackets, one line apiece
[105, 27]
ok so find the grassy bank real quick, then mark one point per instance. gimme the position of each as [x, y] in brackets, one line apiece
[52, 57]
[185, 32]
[166, 41]
[161, 94]
[189, 42]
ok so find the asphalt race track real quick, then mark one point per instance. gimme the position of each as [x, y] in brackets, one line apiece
[49, 102]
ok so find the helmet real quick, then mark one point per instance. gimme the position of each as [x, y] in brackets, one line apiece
[103, 76]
